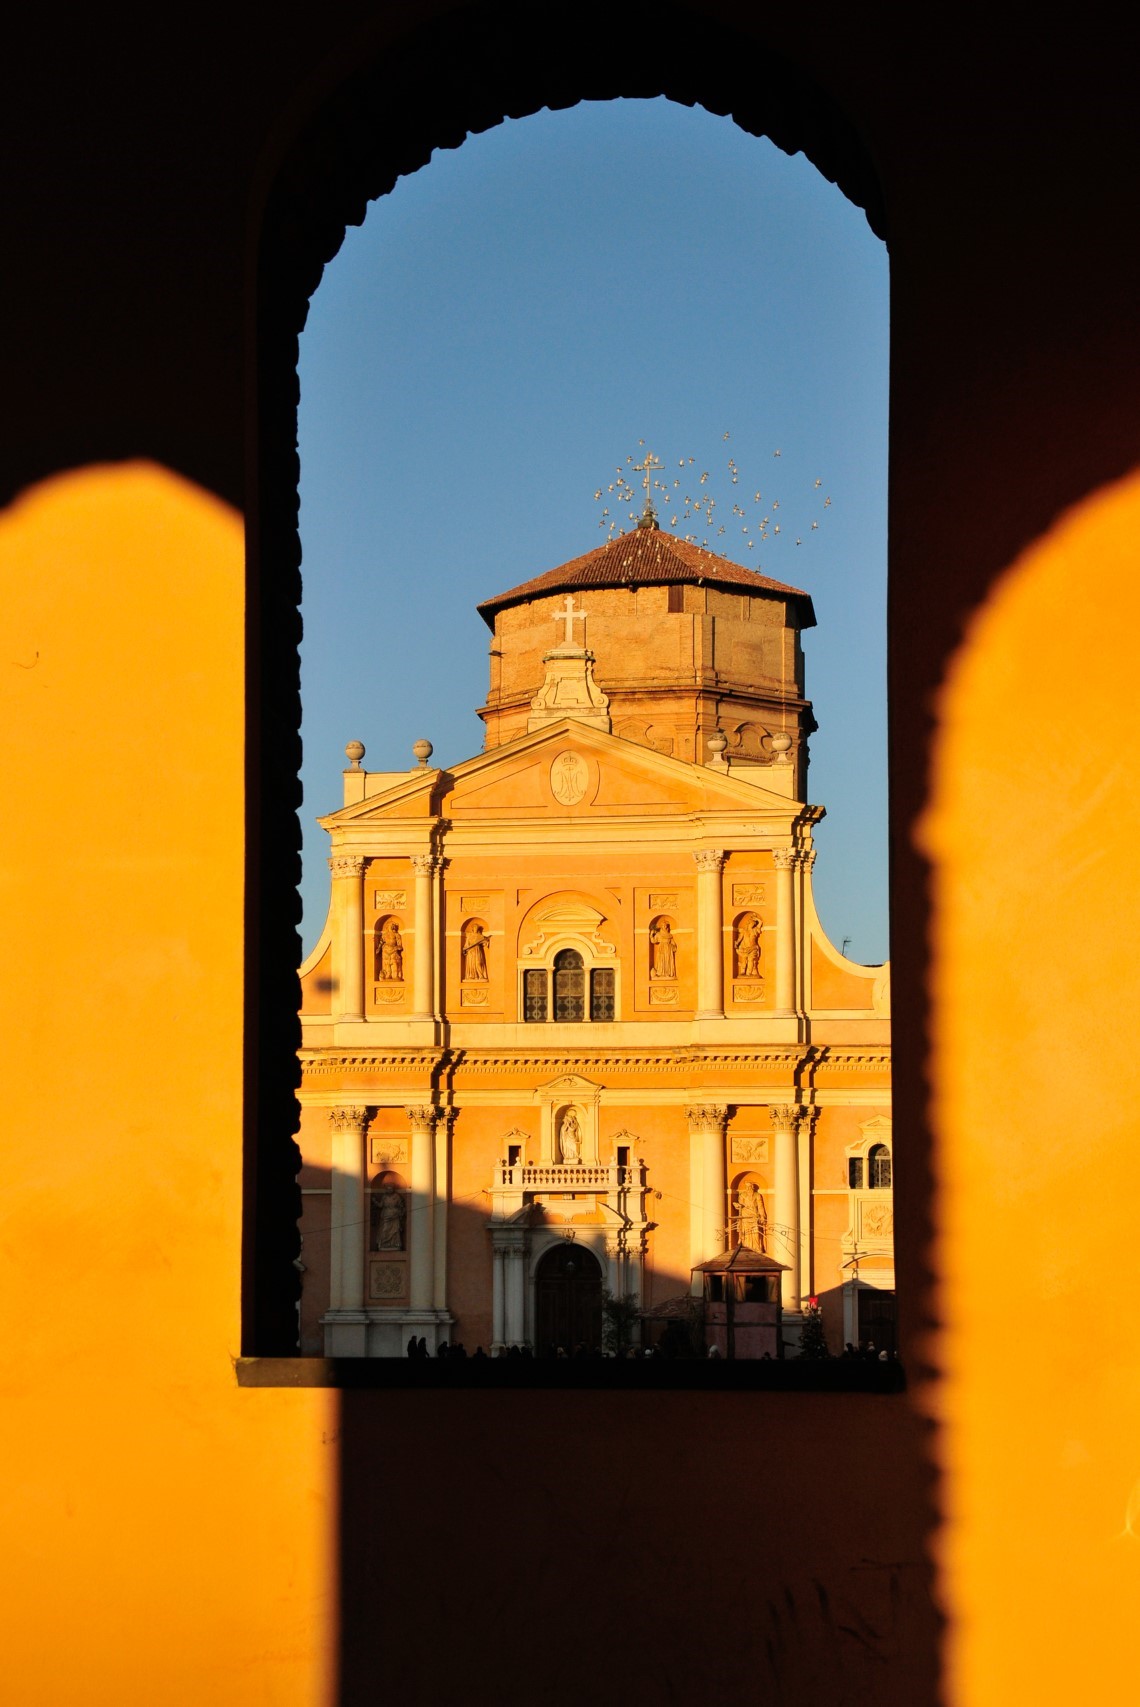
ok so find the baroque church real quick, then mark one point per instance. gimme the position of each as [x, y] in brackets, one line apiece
[573, 1030]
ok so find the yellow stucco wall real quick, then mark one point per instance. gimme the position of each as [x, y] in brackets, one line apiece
[178, 1530]
[1033, 833]
[168, 1537]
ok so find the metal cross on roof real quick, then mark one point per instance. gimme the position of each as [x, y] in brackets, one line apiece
[648, 468]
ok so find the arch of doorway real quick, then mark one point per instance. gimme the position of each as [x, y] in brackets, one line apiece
[566, 1309]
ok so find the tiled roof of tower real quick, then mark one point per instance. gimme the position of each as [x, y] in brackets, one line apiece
[646, 557]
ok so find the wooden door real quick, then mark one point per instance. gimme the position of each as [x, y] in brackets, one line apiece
[568, 1300]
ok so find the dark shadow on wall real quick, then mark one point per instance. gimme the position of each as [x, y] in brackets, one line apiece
[681, 1545]
[591, 1526]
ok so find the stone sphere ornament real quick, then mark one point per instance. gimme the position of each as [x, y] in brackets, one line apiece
[354, 752]
[423, 750]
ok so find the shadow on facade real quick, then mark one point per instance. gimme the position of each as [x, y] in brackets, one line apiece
[682, 1545]
[584, 1316]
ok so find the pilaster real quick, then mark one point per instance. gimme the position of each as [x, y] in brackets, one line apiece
[784, 859]
[710, 933]
[423, 973]
[785, 1229]
[421, 1219]
[348, 935]
[708, 1207]
[345, 1322]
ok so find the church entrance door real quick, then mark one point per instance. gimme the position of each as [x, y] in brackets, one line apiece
[567, 1300]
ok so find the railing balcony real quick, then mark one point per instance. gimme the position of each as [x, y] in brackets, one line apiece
[568, 1176]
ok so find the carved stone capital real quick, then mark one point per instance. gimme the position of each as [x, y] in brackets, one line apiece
[347, 865]
[423, 864]
[785, 1117]
[784, 859]
[709, 859]
[707, 1117]
[423, 1119]
[348, 1119]
[807, 858]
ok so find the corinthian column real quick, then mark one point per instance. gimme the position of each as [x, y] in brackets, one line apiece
[784, 860]
[710, 934]
[421, 1220]
[348, 935]
[423, 988]
[349, 1220]
[786, 1230]
[708, 1203]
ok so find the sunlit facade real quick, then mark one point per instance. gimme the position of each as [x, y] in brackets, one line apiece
[573, 995]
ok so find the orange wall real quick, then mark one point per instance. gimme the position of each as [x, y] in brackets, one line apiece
[168, 1538]
[179, 1529]
[1033, 832]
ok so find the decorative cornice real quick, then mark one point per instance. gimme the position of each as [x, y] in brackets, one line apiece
[854, 1060]
[591, 1066]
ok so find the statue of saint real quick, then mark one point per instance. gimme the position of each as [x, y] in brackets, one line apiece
[750, 1217]
[388, 1212]
[475, 954]
[662, 951]
[747, 947]
[570, 1137]
[391, 952]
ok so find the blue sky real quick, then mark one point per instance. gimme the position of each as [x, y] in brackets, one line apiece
[502, 332]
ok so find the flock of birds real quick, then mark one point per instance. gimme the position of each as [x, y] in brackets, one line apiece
[695, 503]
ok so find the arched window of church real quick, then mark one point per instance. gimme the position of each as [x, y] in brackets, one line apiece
[569, 985]
[879, 1168]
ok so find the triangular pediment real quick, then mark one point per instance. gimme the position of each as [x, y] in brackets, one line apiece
[568, 770]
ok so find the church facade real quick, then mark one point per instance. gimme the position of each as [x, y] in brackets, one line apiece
[573, 1028]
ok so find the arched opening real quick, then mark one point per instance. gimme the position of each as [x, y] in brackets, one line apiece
[879, 1168]
[305, 218]
[568, 1299]
[569, 985]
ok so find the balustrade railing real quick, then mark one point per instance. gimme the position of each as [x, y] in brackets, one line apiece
[568, 1176]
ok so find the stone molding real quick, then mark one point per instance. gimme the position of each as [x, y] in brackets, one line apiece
[422, 1118]
[785, 1117]
[709, 859]
[347, 865]
[707, 1117]
[350, 1119]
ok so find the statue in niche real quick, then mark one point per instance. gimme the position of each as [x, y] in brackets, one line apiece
[750, 1217]
[388, 1214]
[570, 1137]
[390, 953]
[662, 950]
[747, 946]
[475, 941]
